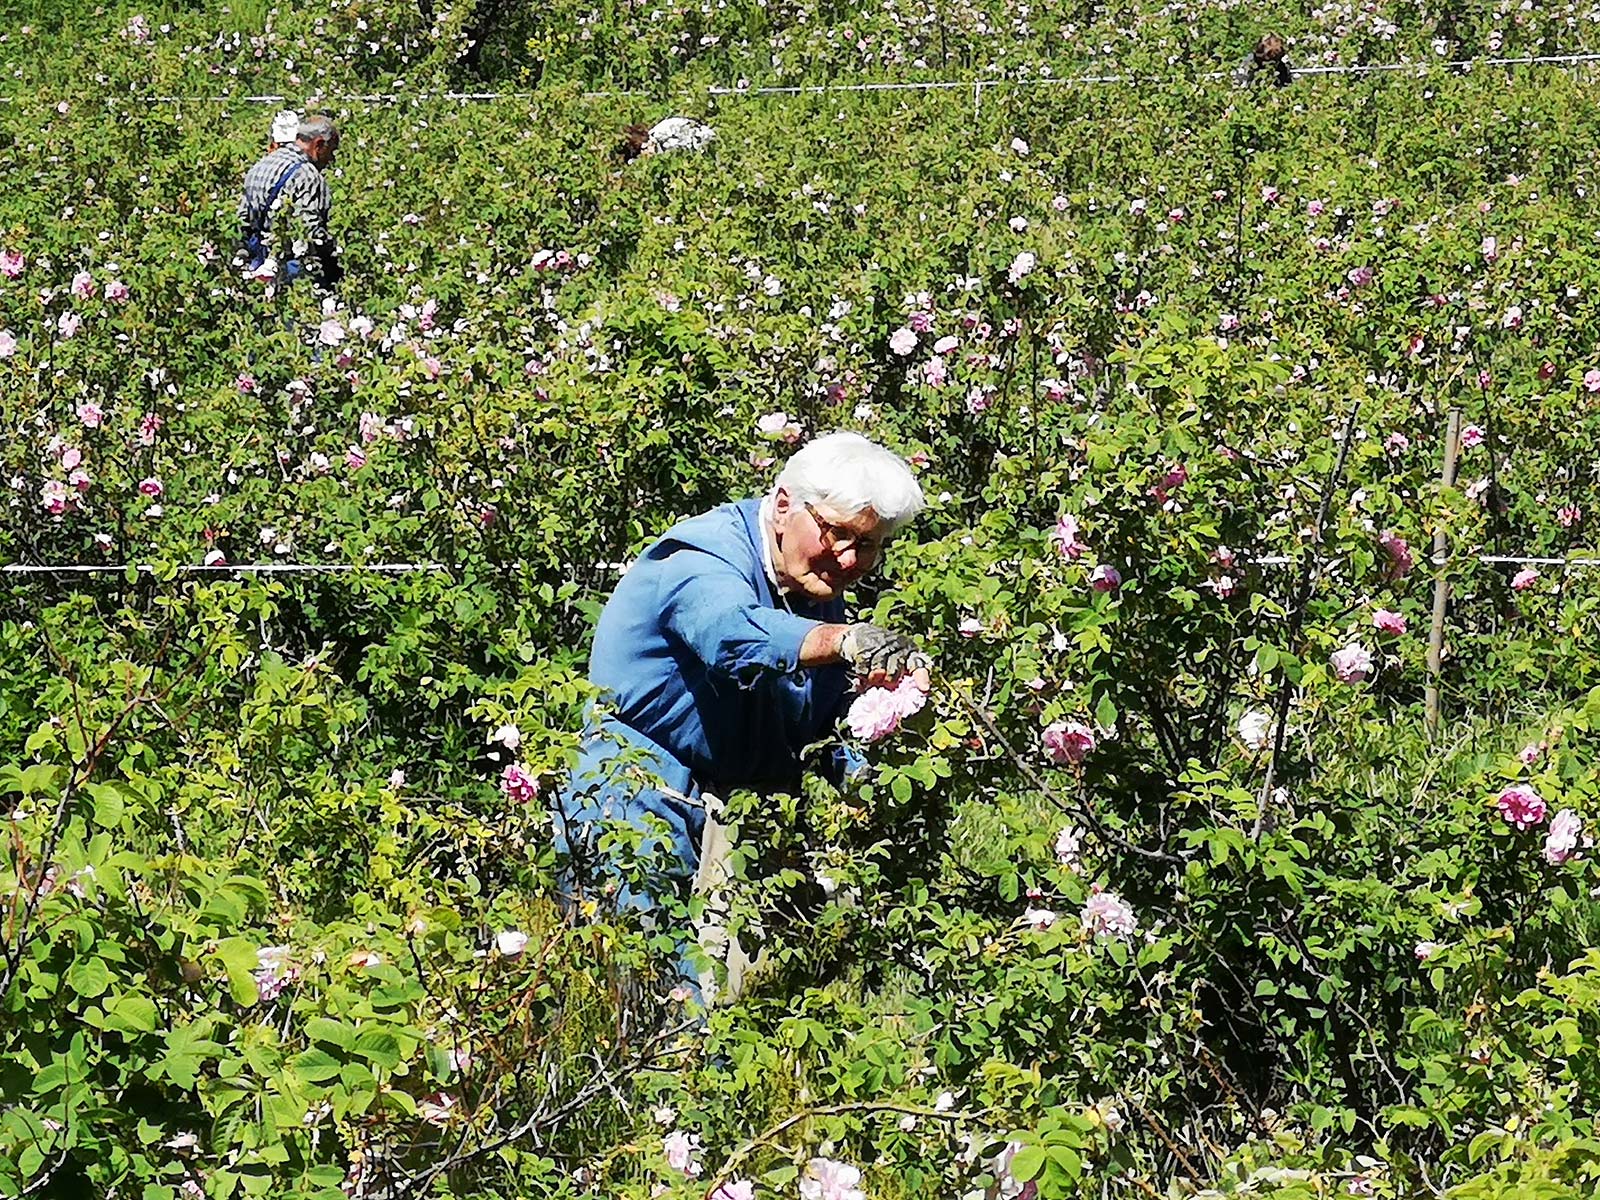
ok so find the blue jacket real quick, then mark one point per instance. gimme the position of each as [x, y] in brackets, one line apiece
[698, 656]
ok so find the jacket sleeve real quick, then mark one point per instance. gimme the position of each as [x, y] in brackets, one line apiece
[710, 608]
[313, 241]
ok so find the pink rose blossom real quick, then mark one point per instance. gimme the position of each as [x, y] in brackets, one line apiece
[970, 627]
[151, 487]
[118, 291]
[1315, 208]
[1397, 443]
[1069, 846]
[1568, 515]
[1521, 806]
[1388, 621]
[1561, 843]
[680, 1149]
[1400, 559]
[1039, 918]
[1591, 380]
[215, 558]
[83, 285]
[1524, 579]
[1106, 913]
[825, 1179]
[1484, 380]
[1021, 267]
[1547, 370]
[53, 497]
[330, 332]
[91, 414]
[1471, 437]
[1353, 664]
[1425, 950]
[11, 263]
[903, 341]
[1105, 578]
[8, 343]
[68, 324]
[1360, 276]
[71, 456]
[877, 712]
[921, 322]
[371, 426]
[245, 383]
[946, 344]
[1530, 753]
[1066, 537]
[517, 785]
[355, 458]
[149, 425]
[510, 942]
[1068, 742]
[934, 373]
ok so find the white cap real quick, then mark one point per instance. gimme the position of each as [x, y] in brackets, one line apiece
[285, 127]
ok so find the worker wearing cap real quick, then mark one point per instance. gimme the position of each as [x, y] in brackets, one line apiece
[725, 651]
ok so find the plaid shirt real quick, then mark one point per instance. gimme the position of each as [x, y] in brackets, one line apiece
[309, 198]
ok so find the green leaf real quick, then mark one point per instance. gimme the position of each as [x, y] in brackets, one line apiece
[1027, 1162]
[335, 1033]
[1105, 712]
[108, 804]
[315, 1066]
[378, 1047]
[89, 977]
[132, 1014]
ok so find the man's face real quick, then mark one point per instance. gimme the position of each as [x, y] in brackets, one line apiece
[821, 551]
[321, 151]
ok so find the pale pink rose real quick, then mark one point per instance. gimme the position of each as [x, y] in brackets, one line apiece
[432, 367]
[1269, 194]
[1388, 621]
[354, 458]
[1066, 537]
[1485, 379]
[1530, 753]
[1068, 742]
[371, 426]
[1069, 846]
[1360, 276]
[1561, 843]
[970, 627]
[71, 456]
[53, 497]
[149, 425]
[1426, 950]
[934, 373]
[1525, 579]
[1400, 559]
[1105, 578]
[11, 263]
[436, 1109]
[921, 321]
[245, 383]
[1521, 806]
[68, 324]
[1108, 914]
[1568, 515]
[680, 1149]
[1021, 267]
[1490, 249]
[1039, 918]
[773, 424]
[1352, 664]
[1591, 380]
[91, 414]
[118, 291]
[947, 344]
[79, 479]
[1471, 437]
[903, 341]
[8, 343]
[151, 487]
[510, 943]
[83, 285]
[215, 558]
[517, 785]
[825, 1179]
[428, 317]
[1315, 208]
[1228, 322]
[1397, 443]
[877, 712]
[330, 332]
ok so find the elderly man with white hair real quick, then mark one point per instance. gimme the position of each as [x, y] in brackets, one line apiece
[286, 204]
[725, 651]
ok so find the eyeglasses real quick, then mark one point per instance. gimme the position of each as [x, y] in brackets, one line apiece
[836, 539]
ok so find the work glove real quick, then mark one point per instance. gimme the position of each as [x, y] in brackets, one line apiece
[870, 650]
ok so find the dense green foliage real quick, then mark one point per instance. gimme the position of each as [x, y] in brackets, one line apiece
[257, 862]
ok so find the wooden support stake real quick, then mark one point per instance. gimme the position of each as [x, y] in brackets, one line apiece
[1441, 582]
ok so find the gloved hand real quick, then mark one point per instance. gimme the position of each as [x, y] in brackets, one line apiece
[870, 650]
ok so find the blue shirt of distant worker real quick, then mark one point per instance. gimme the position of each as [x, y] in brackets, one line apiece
[724, 652]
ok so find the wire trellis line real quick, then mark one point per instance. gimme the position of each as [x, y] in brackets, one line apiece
[1421, 67]
[1267, 560]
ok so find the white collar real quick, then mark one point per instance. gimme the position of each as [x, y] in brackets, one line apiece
[765, 521]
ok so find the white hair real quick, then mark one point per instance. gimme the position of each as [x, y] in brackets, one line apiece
[850, 474]
[317, 126]
[286, 127]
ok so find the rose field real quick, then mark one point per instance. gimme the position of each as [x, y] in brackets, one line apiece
[1244, 844]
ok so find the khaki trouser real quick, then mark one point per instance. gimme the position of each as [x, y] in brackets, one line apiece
[711, 882]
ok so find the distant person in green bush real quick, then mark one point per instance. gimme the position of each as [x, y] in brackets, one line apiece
[1265, 64]
[290, 180]
[724, 653]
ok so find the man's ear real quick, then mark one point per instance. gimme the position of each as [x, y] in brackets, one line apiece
[781, 503]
